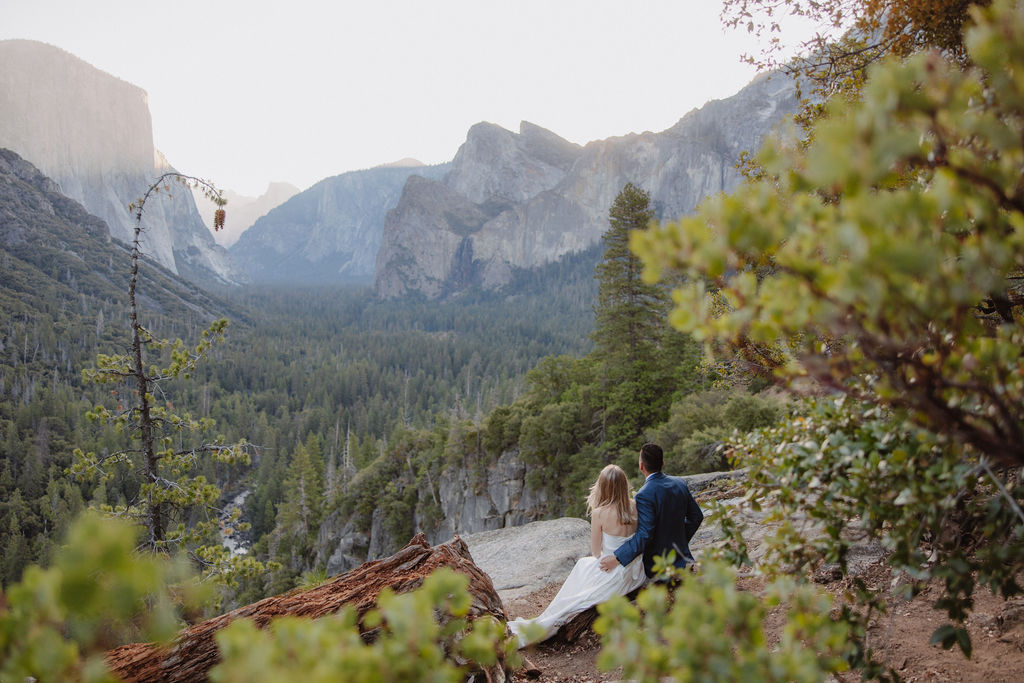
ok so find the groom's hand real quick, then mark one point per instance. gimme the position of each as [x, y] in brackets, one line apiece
[608, 563]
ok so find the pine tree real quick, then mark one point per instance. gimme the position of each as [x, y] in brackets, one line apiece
[629, 324]
[299, 513]
[16, 555]
[176, 505]
[347, 467]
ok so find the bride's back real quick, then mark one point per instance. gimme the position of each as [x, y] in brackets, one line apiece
[608, 519]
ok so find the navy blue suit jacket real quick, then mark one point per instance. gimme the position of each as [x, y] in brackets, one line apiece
[668, 517]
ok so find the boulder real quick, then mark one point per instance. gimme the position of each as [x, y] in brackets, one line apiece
[524, 559]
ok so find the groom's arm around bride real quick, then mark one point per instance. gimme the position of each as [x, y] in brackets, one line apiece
[668, 517]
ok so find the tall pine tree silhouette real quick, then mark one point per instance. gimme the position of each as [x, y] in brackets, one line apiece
[629, 325]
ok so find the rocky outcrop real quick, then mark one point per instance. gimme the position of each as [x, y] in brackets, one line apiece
[553, 546]
[341, 544]
[469, 502]
[500, 499]
[92, 134]
[194, 651]
[525, 559]
[523, 200]
[329, 233]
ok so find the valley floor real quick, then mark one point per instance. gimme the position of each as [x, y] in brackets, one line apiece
[996, 627]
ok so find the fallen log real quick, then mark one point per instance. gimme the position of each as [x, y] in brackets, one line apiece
[583, 623]
[194, 651]
[578, 626]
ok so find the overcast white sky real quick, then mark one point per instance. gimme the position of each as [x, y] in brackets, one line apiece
[245, 92]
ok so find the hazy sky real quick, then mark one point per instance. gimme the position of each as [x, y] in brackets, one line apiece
[247, 92]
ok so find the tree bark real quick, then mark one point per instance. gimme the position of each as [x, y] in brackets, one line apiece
[583, 623]
[194, 652]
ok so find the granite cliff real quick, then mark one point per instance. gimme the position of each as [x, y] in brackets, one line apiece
[329, 233]
[520, 200]
[92, 134]
[465, 502]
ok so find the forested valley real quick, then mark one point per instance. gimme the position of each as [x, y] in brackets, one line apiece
[846, 325]
[337, 392]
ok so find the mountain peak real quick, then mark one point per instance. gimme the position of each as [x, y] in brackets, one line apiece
[407, 162]
[497, 164]
[520, 200]
[92, 133]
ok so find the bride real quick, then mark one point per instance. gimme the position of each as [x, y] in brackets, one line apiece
[612, 521]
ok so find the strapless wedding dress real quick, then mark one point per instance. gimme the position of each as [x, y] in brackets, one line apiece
[585, 587]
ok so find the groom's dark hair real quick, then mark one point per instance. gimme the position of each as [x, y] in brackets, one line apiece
[652, 457]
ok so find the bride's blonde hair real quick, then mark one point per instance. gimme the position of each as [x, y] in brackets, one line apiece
[612, 488]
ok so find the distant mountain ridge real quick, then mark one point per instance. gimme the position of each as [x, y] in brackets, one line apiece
[520, 200]
[242, 211]
[328, 234]
[507, 201]
[405, 162]
[92, 134]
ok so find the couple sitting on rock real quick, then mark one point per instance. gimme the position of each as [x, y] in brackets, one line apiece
[625, 537]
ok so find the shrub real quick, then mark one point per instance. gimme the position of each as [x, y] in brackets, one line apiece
[712, 630]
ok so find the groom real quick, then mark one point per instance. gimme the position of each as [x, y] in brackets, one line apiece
[668, 517]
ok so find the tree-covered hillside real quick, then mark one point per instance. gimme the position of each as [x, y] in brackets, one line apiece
[298, 363]
[335, 388]
[63, 285]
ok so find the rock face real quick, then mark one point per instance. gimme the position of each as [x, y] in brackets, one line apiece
[522, 200]
[502, 500]
[328, 234]
[469, 503]
[242, 211]
[92, 134]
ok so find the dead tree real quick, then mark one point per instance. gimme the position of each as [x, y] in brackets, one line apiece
[194, 652]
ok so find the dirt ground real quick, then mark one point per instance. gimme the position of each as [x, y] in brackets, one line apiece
[900, 637]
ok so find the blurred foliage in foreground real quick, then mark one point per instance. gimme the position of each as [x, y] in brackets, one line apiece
[424, 636]
[99, 593]
[882, 261]
[709, 629]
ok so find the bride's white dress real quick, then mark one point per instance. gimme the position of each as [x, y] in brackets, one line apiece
[585, 587]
